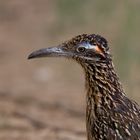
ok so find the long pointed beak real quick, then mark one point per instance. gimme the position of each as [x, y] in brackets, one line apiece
[48, 52]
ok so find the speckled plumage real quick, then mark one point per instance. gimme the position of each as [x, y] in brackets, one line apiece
[110, 114]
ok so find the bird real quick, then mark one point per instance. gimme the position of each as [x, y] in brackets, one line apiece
[110, 114]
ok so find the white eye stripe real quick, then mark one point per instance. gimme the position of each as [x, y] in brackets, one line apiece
[88, 46]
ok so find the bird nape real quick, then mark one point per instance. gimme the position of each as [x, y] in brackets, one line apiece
[110, 114]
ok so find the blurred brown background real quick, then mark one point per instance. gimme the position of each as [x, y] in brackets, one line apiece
[44, 99]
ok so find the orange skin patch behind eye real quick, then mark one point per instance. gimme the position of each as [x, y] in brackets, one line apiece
[98, 50]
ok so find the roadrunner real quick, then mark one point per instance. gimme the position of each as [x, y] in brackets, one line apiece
[110, 114]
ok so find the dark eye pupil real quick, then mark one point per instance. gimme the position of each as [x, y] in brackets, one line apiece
[81, 49]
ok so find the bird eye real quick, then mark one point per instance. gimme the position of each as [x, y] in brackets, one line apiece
[80, 49]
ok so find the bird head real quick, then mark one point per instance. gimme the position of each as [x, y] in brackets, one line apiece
[82, 48]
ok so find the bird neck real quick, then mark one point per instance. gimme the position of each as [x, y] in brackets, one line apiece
[102, 80]
[103, 87]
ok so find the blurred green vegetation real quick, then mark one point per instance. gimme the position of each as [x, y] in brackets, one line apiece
[118, 21]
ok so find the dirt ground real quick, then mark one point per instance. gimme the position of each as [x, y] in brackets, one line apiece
[42, 99]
